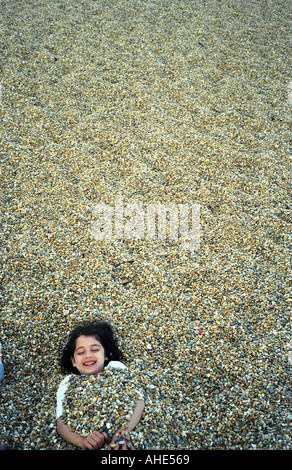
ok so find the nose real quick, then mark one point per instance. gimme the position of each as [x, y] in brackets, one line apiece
[87, 353]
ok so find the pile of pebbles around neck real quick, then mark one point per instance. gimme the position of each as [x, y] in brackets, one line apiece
[102, 403]
[181, 102]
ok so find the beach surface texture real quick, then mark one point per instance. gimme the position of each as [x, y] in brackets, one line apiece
[123, 106]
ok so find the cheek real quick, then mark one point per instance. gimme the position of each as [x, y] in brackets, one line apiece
[102, 357]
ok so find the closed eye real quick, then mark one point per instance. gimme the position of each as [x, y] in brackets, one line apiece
[79, 353]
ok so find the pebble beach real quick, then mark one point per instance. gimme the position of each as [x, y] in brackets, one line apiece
[153, 102]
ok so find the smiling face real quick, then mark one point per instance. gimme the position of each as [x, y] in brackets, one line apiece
[89, 355]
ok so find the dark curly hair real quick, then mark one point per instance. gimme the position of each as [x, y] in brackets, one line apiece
[102, 331]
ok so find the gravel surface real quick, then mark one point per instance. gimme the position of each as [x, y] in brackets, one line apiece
[153, 102]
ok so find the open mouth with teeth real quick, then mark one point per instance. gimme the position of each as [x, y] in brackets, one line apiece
[89, 363]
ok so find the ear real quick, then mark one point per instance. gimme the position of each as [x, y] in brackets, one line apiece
[73, 362]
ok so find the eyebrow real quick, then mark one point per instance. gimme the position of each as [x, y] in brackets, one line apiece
[94, 344]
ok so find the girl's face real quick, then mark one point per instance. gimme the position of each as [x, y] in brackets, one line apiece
[89, 355]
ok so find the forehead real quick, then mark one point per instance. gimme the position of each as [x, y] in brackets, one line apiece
[85, 341]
